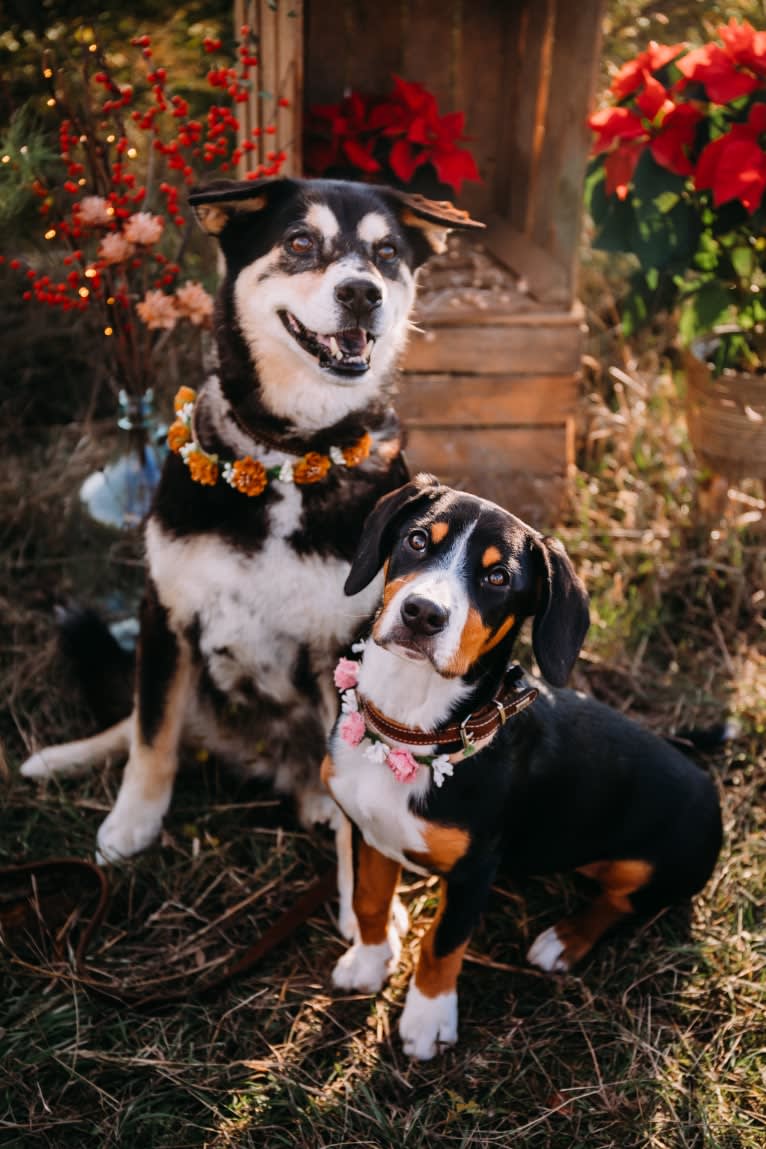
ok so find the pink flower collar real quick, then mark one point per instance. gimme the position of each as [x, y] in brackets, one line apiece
[354, 731]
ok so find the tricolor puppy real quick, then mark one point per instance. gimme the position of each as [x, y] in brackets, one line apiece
[449, 761]
[276, 465]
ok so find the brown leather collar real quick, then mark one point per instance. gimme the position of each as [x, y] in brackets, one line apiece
[480, 726]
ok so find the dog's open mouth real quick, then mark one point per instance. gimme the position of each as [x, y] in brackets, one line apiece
[347, 352]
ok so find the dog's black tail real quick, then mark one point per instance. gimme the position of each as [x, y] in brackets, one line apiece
[102, 667]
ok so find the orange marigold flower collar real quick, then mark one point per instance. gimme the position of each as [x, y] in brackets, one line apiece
[248, 475]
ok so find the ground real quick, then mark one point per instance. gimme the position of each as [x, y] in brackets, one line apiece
[658, 1040]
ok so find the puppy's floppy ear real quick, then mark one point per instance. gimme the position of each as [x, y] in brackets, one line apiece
[435, 219]
[562, 617]
[216, 203]
[377, 534]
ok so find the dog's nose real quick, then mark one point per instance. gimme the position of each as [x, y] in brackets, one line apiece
[359, 297]
[422, 616]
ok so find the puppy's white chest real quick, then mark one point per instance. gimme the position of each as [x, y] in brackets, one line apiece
[378, 804]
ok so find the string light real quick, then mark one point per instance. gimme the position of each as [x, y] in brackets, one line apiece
[83, 293]
[92, 47]
[51, 102]
[47, 72]
[51, 233]
[132, 153]
[6, 159]
[108, 331]
[90, 272]
[110, 139]
[110, 300]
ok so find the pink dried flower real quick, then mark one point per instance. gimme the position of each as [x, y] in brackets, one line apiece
[94, 211]
[157, 310]
[402, 765]
[144, 228]
[115, 248]
[346, 674]
[352, 728]
[194, 303]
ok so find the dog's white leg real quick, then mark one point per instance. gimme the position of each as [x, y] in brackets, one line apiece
[370, 960]
[164, 681]
[428, 1023]
[347, 922]
[74, 758]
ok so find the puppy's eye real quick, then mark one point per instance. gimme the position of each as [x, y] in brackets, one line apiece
[417, 540]
[301, 244]
[386, 252]
[498, 576]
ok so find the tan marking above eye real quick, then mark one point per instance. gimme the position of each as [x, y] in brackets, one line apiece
[439, 531]
[491, 557]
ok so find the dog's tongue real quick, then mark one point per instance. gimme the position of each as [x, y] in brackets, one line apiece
[352, 341]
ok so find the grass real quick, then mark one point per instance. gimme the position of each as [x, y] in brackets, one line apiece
[658, 1041]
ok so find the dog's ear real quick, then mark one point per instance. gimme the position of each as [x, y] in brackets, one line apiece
[216, 203]
[378, 530]
[435, 219]
[562, 618]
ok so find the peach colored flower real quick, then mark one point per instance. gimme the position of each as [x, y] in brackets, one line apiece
[346, 674]
[352, 728]
[157, 310]
[402, 765]
[94, 211]
[359, 452]
[194, 303]
[248, 476]
[178, 436]
[115, 248]
[312, 468]
[144, 228]
[202, 469]
[183, 396]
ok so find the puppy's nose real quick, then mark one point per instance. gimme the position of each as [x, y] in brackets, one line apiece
[422, 616]
[359, 297]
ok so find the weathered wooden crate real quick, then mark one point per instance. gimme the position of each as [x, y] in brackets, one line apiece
[489, 392]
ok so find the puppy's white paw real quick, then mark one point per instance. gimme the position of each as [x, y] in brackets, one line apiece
[128, 830]
[400, 916]
[428, 1023]
[367, 968]
[547, 952]
[51, 761]
[347, 923]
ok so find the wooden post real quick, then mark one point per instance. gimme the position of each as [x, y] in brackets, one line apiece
[278, 28]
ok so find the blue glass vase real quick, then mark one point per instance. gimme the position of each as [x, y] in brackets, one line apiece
[120, 494]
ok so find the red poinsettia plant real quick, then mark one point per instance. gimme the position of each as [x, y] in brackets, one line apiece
[679, 179]
[114, 220]
[390, 137]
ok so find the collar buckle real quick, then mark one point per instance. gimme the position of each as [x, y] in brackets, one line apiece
[504, 715]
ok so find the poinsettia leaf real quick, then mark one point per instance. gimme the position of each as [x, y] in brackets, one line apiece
[650, 180]
[743, 261]
[403, 160]
[703, 311]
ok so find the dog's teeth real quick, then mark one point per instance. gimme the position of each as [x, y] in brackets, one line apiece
[334, 348]
[367, 351]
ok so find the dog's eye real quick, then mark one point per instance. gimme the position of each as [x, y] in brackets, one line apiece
[301, 244]
[417, 540]
[386, 252]
[498, 576]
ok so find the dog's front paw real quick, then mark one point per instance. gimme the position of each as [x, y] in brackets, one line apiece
[51, 761]
[549, 952]
[367, 968]
[428, 1024]
[128, 830]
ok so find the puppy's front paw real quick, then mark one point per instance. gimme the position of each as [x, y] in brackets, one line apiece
[428, 1023]
[128, 830]
[367, 968]
[548, 952]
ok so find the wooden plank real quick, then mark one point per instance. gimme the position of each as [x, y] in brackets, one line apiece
[429, 55]
[525, 469]
[548, 280]
[459, 400]
[374, 37]
[278, 27]
[538, 315]
[559, 189]
[480, 85]
[496, 350]
[324, 54]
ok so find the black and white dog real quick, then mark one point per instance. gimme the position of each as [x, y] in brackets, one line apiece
[277, 463]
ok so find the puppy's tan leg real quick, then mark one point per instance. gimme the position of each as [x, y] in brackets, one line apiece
[73, 758]
[429, 1020]
[557, 949]
[367, 964]
[164, 679]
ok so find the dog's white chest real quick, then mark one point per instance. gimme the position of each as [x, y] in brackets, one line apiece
[378, 804]
[253, 612]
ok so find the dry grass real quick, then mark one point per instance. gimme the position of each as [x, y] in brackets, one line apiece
[658, 1041]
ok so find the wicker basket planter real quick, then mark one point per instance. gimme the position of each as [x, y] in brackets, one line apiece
[726, 418]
